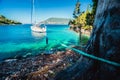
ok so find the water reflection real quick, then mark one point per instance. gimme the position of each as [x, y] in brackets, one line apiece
[38, 35]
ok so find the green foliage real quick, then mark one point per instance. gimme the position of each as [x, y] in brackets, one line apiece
[84, 39]
[4, 20]
[77, 10]
[91, 15]
[95, 2]
[89, 19]
[85, 19]
[81, 19]
[87, 27]
[72, 22]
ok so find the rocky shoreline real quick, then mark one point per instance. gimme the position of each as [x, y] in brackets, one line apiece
[39, 67]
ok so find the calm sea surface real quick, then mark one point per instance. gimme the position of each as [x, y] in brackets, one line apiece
[20, 40]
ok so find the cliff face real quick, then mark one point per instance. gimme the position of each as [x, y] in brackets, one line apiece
[104, 42]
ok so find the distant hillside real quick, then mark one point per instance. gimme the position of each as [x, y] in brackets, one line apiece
[56, 21]
[4, 20]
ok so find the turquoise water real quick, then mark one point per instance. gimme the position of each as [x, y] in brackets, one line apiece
[20, 40]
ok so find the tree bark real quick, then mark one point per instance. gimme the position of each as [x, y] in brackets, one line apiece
[105, 38]
[104, 42]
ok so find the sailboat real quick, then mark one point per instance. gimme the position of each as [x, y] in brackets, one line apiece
[36, 27]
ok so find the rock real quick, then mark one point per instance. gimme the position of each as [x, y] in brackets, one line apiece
[46, 75]
[58, 60]
[48, 52]
[18, 57]
[7, 78]
[51, 72]
[64, 64]
[27, 55]
[58, 53]
[10, 60]
[53, 61]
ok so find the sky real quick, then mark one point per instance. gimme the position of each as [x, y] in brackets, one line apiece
[20, 10]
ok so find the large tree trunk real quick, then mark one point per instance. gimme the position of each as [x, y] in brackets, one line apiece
[104, 42]
[105, 38]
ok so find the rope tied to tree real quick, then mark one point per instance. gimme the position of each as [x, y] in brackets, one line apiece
[88, 55]
[92, 56]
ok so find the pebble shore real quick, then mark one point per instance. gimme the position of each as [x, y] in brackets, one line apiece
[39, 67]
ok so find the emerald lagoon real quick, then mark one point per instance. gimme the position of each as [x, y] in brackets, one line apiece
[19, 40]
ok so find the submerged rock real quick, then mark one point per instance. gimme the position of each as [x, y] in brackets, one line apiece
[27, 55]
[10, 60]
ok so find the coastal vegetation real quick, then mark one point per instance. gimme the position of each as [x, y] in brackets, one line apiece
[83, 21]
[4, 20]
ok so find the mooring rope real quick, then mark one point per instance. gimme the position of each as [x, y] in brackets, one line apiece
[88, 55]
[92, 56]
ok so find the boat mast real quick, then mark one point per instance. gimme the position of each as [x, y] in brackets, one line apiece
[32, 11]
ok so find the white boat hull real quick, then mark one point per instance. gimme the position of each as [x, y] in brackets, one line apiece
[38, 29]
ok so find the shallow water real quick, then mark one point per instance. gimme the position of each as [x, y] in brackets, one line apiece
[20, 40]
